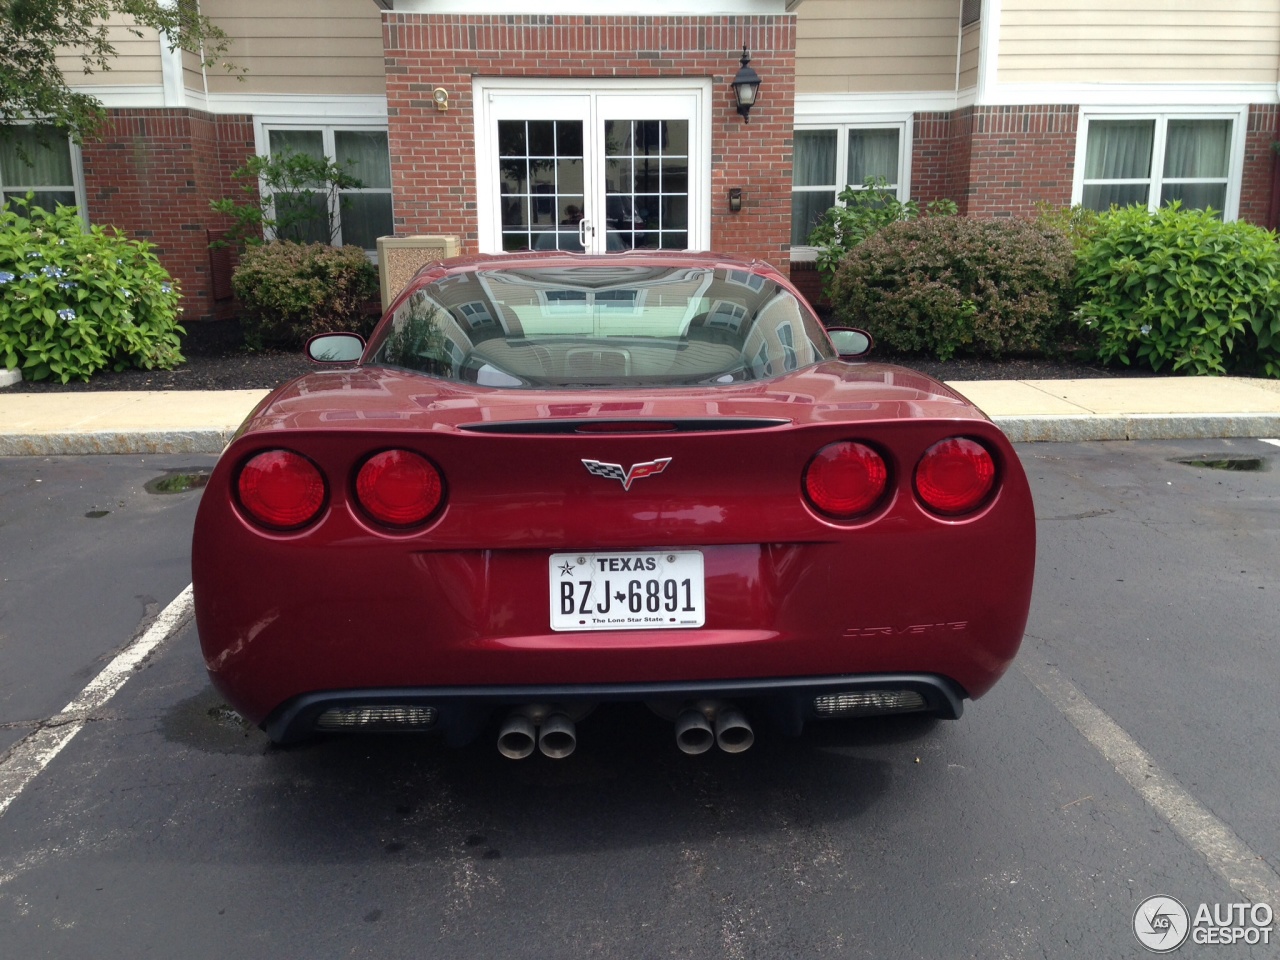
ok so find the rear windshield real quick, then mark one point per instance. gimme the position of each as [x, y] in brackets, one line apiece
[601, 326]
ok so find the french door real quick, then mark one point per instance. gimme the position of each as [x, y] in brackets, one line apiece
[591, 170]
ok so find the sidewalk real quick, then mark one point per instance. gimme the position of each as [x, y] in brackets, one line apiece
[1155, 408]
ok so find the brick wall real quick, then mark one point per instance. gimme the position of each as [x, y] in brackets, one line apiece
[433, 166]
[1259, 199]
[152, 174]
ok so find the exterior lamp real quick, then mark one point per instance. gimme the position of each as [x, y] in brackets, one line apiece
[746, 83]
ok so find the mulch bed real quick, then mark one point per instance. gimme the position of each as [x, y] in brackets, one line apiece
[217, 360]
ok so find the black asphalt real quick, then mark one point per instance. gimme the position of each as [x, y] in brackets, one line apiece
[166, 829]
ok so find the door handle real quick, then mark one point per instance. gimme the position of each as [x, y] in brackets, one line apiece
[585, 232]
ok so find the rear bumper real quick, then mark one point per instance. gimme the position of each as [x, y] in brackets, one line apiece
[461, 713]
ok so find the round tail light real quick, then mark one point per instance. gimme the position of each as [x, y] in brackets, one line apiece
[955, 476]
[845, 479]
[281, 489]
[399, 488]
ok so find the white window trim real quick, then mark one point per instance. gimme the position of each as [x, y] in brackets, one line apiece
[1238, 113]
[903, 123]
[327, 126]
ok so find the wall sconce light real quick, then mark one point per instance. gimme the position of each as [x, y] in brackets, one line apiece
[735, 199]
[746, 83]
[441, 96]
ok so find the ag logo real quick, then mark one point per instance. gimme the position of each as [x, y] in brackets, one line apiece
[1161, 924]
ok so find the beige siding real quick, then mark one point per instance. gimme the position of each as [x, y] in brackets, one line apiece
[1139, 41]
[300, 46]
[876, 45]
[970, 40]
[137, 59]
[192, 72]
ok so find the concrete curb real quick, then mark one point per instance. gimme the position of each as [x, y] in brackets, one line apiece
[1138, 426]
[123, 441]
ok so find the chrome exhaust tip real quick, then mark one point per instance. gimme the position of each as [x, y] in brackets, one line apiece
[517, 737]
[693, 732]
[557, 737]
[733, 731]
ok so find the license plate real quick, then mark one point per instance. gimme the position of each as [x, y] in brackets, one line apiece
[645, 590]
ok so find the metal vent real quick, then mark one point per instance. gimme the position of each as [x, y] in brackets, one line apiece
[970, 12]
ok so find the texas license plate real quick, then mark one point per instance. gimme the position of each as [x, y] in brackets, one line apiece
[626, 590]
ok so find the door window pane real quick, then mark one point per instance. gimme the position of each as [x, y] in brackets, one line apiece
[542, 188]
[647, 184]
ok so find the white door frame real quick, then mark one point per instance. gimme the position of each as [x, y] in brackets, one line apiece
[548, 98]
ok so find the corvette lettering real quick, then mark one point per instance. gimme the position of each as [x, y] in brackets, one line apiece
[914, 630]
[614, 471]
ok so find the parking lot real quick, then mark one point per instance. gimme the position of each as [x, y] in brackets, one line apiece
[1132, 750]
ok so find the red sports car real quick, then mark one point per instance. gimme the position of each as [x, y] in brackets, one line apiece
[551, 481]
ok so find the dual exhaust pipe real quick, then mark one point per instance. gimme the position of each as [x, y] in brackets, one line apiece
[554, 734]
[720, 724]
[698, 728]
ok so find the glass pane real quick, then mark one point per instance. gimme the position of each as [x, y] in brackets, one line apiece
[617, 138]
[1102, 196]
[307, 142]
[647, 241]
[542, 138]
[569, 176]
[515, 241]
[303, 218]
[568, 138]
[872, 153]
[363, 154]
[1119, 150]
[511, 139]
[1197, 148]
[617, 176]
[675, 176]
[1196, 196]
[45, 199]
[675, 213]
[514, 176]
[649, 136]
[647, 176]
[677, 144]
[570, 210]
[815, 158]
[46, 164]
[675, 241]
[806, 209]
[515, 211]
[365, 218]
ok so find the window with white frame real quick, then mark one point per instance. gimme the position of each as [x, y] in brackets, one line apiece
[1156, 159]
[361, 214]
[826, 160]
[38, 159]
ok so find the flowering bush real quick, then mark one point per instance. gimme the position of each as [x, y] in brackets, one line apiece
[955, 285]
[73, 302]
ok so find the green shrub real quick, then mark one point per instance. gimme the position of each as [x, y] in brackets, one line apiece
[859, 214]
[73, 302]
[954, 285]
[291, 291]
[1182, 287]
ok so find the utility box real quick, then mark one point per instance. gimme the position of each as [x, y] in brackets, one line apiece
[399, 258]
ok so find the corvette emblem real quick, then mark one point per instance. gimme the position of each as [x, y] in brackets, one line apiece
[614, 471]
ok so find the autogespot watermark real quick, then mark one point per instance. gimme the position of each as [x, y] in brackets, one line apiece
[1162, 924]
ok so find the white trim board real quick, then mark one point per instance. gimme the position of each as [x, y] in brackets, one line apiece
[594, 8]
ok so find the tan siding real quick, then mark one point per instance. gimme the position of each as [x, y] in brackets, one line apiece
[300, 46]
[876, 45]
[1140, 41]
[192, 73]
[970, 41]
[137, 59]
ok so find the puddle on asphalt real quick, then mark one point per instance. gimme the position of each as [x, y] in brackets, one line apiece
[177, 481]
[1217, 461]
[207, 723]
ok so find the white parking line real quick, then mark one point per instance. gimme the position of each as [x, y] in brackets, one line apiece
[35, 751]
[1217, 843]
